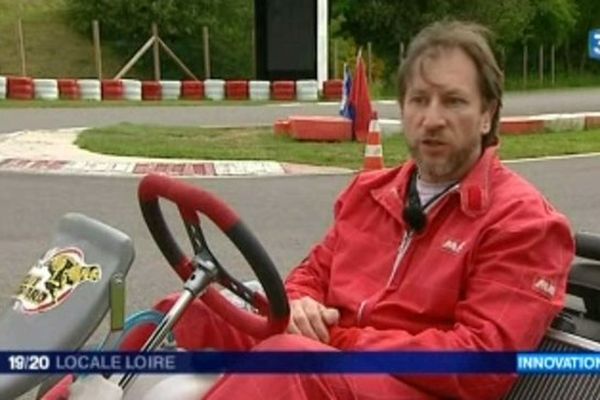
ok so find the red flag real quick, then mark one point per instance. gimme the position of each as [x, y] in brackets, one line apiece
[360, 101]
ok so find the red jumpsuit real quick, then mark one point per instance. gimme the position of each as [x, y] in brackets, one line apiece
[488, 273]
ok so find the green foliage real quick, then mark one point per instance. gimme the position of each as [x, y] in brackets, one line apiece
[562, 23]
[127, 25]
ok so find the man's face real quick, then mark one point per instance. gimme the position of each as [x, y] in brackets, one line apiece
[443, 115]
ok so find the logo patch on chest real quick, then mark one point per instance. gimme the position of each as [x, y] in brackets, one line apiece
[453, 246]
[544, 286]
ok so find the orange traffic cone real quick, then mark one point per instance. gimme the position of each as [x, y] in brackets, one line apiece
[373, 147]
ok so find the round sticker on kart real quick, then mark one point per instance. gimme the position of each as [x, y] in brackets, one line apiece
[53, 278]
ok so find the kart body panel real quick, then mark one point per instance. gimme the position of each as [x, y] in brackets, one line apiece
[65, 296]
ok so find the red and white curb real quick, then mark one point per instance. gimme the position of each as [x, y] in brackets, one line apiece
[215, 168]
[46, 151]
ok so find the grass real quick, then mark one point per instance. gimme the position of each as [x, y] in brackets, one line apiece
[261, 144]
[52, 48]
[562, 81]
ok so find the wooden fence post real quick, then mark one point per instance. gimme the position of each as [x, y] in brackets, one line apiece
[21, 44]
[97, 48]
[525, 65]
[541, 66]
[335, 59]
[206, 52]
[156, 52]
[553, 64]
[254, 51]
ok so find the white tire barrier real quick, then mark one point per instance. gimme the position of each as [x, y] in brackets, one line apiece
[90, 89]
[171, 90]
[45, 89]
[2, 87]
[564, 122]
[132, 89]
[214, 89]
[307, 90]
[259, 90]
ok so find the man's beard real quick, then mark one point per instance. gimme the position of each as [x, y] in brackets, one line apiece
[447, 167]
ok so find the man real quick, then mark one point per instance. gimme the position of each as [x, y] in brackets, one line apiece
[450, 251]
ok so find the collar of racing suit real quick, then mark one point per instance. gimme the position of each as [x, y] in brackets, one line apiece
[474, 189]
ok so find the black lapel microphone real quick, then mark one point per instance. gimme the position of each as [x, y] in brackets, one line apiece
[413, 213]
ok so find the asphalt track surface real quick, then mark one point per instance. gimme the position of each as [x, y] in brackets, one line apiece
[288, 214]
[515, 103]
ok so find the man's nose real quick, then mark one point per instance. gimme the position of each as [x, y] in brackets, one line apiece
[433, 117]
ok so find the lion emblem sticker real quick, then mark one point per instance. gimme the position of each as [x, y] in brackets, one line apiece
[53, 278]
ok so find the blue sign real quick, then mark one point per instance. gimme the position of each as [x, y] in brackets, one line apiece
[594, 44]
[428, 362]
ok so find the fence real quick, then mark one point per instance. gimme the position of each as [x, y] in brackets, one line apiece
[50, 48]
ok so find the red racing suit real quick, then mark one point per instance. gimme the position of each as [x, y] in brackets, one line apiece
[487, 273]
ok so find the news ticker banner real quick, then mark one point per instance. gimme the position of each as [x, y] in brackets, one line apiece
[27, 362]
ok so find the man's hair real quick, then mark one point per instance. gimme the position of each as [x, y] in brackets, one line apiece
[471, 38]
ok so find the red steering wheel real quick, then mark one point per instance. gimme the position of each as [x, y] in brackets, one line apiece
[191, 201]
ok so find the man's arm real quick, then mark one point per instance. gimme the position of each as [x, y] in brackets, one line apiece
[307, 285]
[311, 277]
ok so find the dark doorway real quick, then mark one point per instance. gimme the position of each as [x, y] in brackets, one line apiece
[286, 39]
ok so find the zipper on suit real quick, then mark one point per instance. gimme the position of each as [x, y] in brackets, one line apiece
[401, 252]
[406, 241]
[403, 249]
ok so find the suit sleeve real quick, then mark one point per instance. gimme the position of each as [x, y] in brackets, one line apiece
[515, 287]
[311, 276]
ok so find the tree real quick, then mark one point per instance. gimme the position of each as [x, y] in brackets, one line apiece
[387, 22]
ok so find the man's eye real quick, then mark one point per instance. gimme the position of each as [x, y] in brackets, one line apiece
[456, 101]
[418, 100]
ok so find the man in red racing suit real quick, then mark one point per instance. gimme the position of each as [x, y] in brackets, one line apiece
[449, 252]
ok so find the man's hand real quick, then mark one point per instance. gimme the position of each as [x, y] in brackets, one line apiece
[311, 319]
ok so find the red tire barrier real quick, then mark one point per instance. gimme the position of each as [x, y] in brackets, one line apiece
[283, 90]
[151, 90]
[236, 90]
[332, 89]
[112, 89]
[192, 90]
[521, 126]
[68, 89]
[321, 129]
[19, 88]
[282, 127]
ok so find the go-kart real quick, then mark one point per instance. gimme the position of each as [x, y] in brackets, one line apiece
[70, 289]
[68, 292]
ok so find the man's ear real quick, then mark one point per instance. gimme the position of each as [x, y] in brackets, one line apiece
[488, 114]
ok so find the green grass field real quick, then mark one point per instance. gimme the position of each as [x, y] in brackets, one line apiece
[261, 144]
[52, 48]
